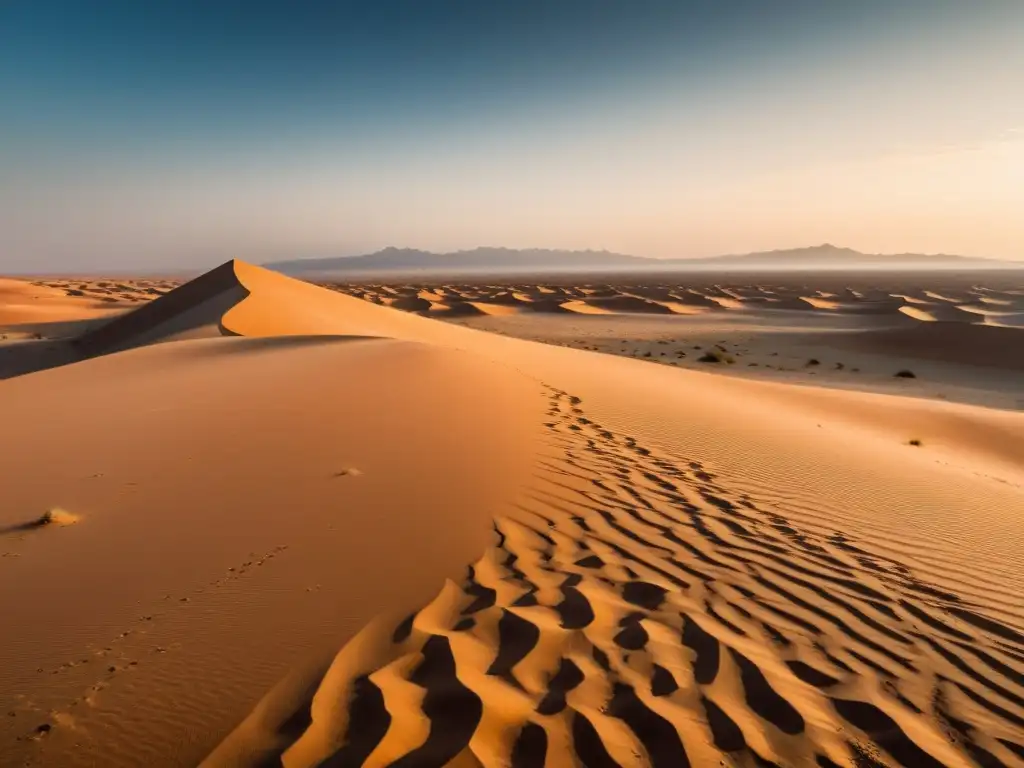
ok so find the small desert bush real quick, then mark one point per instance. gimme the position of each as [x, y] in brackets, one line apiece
[905, 374]
[715, 356]
[915, 442]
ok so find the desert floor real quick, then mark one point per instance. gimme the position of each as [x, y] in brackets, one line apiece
[251, 521]
[845, 331]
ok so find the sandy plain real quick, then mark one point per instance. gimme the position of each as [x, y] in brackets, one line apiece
[254, 521]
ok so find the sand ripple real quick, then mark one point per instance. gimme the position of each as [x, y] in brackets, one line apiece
[640, 611]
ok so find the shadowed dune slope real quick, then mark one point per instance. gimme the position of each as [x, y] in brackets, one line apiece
[194, 309]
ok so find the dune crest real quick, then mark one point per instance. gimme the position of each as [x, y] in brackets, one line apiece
[239, 299]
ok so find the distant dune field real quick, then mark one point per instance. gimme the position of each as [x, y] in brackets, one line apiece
[963, 345]
[252, 521]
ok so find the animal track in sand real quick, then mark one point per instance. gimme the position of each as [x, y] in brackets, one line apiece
[101, 667]
[640, 610]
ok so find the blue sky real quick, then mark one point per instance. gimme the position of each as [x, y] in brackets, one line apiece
[182, 133]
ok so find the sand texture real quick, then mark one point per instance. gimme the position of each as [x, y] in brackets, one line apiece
[259, 522]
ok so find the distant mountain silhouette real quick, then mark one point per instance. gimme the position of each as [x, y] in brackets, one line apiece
[510, 260]
[405, 259]
[828, 255]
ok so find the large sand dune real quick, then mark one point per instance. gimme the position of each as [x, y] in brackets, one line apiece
[670, 567]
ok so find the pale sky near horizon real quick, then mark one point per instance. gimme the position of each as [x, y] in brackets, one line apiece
[179, 134]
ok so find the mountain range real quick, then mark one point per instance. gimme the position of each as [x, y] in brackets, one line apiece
[509, 260]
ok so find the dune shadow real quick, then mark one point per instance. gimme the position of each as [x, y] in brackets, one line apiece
[21, 358]
[12, 530]
[24, 357]
[241, 345]
[32, 525]
[58, 329]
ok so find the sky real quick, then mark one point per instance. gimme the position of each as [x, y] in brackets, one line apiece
[182, 133]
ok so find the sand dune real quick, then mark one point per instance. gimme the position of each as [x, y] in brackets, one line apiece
[641, 612]
[227, 490]
[493, 309]
[622, 304]
[667, 567]
[726, 302]
[1008, 320]
[467, 308]
[195, 310]
[920, 313]
[413, 304]
[31, 308]
[943, 297]
[818, 302]
[586, 308]
[238, 299]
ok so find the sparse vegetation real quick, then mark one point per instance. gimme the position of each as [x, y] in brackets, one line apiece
[915, 442]
[813, 361]
[55, 516]
[715, 356]
[905, 374]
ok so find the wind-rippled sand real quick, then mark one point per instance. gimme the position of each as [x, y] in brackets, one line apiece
[313, 531]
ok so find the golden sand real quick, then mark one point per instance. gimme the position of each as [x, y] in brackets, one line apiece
[318, 529]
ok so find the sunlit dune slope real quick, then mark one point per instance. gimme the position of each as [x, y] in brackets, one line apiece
[240, 501]
[647, 610]
[25, 304]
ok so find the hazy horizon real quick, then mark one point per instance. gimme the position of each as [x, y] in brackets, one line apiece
[169, 135]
